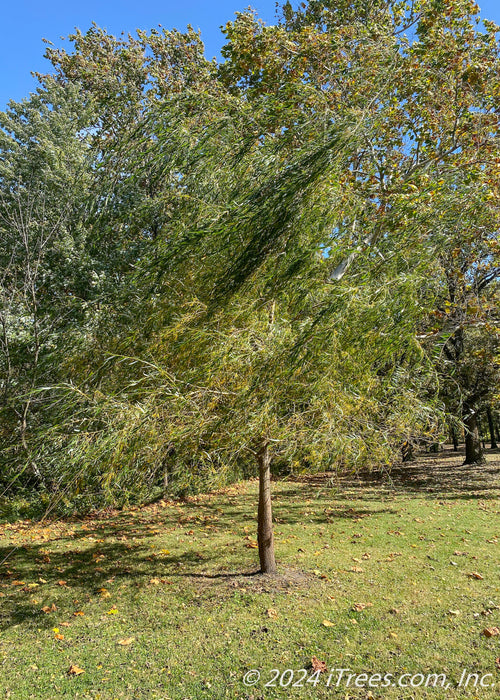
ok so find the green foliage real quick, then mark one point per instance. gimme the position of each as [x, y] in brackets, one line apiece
[283, 248]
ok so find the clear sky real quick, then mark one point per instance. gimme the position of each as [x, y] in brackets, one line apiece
[25, 22]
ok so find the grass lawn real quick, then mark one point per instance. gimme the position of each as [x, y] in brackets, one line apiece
[378, 576]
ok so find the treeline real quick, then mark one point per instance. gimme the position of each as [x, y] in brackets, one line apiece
[288, 259]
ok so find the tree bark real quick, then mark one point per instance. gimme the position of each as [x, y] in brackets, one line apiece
[454, 437]
[473, 449]
[265, 536]
[491, 426]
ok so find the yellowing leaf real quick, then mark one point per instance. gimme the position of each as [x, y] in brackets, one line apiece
[272, 614]
[125, 642]
[113, 611]
[74, 670]
[328, 623]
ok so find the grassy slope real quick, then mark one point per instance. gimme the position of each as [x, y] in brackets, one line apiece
[170, 577]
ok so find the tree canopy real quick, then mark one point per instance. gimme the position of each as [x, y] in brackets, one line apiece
[289, 258]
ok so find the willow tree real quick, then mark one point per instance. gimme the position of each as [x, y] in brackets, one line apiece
[357, 110]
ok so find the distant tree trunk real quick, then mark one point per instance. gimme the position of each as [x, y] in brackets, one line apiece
[491, 426]
[454, 438]
[473, 449]
[165, 480]
[265, 535]
[481, 431]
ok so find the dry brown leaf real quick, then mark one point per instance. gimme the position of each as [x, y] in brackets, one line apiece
[49, 609]
[272, 614]
[78, 613]
[74, 670]
[18, 583]
[491, 632]
[475, 575]
[327, 623]
[64, 624]
[61, 583]
[358, 607]
[318, 665]
[125, 642]
[497, 663]
[357, 569]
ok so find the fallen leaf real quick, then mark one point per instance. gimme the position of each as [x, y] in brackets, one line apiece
[59, 636]
[474, 574]
[358, 607]
[454, 612]
[318, 665]
[74, 670]
[272, 614]
[78, 613]
[327, 623]
[113, 611]
[18, 583]
[155, 581]
[61, 583]
[125, 642]
[497, 663]
[491, 632]
[357, 569]
[49, 609]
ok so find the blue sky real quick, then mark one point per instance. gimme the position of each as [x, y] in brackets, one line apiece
[25, 22]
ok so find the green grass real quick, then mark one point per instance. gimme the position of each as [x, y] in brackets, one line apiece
[180, 578]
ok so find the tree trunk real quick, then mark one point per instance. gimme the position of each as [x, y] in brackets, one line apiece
[454, 438]
[491, 426]
[481, 431]
[473, 450]
[265, 535]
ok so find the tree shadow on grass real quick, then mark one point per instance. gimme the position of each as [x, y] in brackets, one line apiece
[441, 475]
